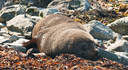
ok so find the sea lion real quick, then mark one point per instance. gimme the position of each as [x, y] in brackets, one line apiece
[57, 34]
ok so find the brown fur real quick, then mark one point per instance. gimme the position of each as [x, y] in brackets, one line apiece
[58, 34]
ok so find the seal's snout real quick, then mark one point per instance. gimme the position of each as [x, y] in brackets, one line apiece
[96, 52]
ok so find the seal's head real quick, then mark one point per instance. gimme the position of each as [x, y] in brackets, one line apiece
[83, 45]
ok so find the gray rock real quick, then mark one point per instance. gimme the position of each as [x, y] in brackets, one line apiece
[79, 5]
[95, 4]
[21, 40]
[13, 38]
[120, 25]
[35, 18]
[99, 31]
[38, 3]
[113, 57]
[119, 46]
[1, 37]
[2, 25]
[19, 48]
[48, 11]
[33, 11]
[4, 3]
[21, 24]
[60, 13]
[125, 37]
[11, 11]
[3, 30]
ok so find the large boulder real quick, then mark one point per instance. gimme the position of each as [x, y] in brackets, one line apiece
[99, 30]
[120, 25]
[9, 12]
[21, 24]
[78, 5]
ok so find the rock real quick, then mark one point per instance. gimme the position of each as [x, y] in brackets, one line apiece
[21, 24]
[48, 11]
[123, 54]
[78, 5]
[125, 37]
[3, 41]
[35, 18]
[33, 11]
[1, 4]
[119, 46]
[113, 57]
[8, 3]
[1, 37]
[19, 48]
[60, 13]
[13, 38]
[120, 25]
[99, 31]
[3, 30]
[123, 57]
[21, 40]
[38, 3]
[9, 12]
[99, 42]
[94, 4]
[2, 25]
[4, 3]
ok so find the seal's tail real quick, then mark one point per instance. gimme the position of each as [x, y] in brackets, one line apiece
[27, 45]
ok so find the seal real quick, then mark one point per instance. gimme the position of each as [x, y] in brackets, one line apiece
[57, 34]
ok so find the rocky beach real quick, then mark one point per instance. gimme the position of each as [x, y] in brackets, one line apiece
[105, 20]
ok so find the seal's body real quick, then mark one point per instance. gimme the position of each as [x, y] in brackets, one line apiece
[58, 34]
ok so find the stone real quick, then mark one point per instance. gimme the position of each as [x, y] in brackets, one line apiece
[33, 11]
[99, 30]
[35, 18]
[125, 37]
[94, 4]
[9, 12]
[21, 24]
[19, 48]
[1, 37]
[2, 25]
[119, 46]
[4, 3]
[114, 57]
[78, 5]
[48, 11]
[38, 3]
[120, 26]
[13, 38]
[2, 32]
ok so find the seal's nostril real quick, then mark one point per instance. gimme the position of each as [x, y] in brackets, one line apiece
[96, 52]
